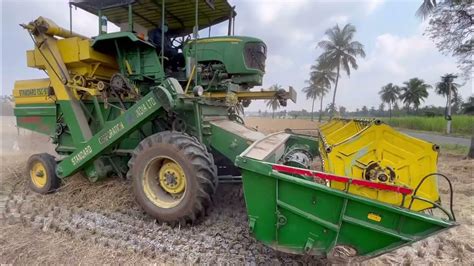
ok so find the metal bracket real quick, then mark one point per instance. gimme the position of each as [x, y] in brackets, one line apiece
[309, 245]
[252, 221]
[281, 220]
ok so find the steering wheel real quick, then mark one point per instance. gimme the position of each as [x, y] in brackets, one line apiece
[178, 42]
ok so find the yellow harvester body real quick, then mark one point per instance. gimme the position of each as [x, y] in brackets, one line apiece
[374, 151]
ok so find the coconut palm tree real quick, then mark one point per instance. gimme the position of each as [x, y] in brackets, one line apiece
[323, 78]
[389, 94]
[340, 51]
[414, 92]
[274, 103]
[427, 6]
[311, 92]
[322, 91]
[442, 88]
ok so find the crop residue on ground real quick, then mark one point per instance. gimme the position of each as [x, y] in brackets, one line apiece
[98, 223]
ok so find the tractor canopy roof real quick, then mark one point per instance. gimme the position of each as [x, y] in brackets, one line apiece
[179, 14]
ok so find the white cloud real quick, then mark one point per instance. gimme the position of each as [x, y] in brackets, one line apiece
[395, 59]
[394, 54]
[268, 13]
[269, 10]
[278, 63]
[291, 30]
[372, 5]
[339, 19]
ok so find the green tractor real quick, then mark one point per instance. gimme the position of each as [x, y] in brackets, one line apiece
[157, 105]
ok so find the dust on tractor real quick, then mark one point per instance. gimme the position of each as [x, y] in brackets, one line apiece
[161, 107]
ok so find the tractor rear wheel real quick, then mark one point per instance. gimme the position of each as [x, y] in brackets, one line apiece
[173, 177]
[42, 173]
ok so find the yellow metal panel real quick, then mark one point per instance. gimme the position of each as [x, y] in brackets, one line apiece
[373, 151]
[79, 57]
[32, 91]
[210, 40]
[88, 53]
[69, 49]
[34, 60]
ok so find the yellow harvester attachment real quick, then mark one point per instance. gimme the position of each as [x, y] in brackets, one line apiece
[371, 150]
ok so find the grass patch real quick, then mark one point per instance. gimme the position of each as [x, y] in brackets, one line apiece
[461, 124]
[454, 149]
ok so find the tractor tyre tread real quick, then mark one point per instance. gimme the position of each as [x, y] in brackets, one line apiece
[53, 182]
[200, 160]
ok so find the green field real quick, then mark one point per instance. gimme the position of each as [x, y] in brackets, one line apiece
[461, 124]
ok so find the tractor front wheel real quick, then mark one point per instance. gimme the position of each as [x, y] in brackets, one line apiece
[42, 173]
[173, 177]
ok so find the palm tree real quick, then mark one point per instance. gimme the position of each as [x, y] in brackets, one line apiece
[311, 92]
[442, 88]
[274, 103]
[322, 91]
[340, 51]
[389, 94]
[323, 78]
[428, 6]
[414, 92]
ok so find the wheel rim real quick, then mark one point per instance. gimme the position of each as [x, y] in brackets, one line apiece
[172, 177]
[38, 174]
[164, 182]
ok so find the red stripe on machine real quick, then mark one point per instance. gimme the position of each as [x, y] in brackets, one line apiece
[342, 179]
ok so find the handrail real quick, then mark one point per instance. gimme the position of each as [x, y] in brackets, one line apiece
[452, 217]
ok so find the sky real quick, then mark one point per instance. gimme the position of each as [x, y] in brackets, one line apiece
[389, 30]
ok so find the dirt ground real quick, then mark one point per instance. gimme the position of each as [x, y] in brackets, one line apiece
[97, 223]
[268, 125]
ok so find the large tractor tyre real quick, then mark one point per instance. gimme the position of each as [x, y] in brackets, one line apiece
[42, 173]
[173, 177]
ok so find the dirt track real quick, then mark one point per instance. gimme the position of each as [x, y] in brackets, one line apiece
[100, 223]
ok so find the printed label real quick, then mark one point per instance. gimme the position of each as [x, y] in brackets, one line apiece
[34, 92]
[81, 155]
[144, 107]
[111, 133]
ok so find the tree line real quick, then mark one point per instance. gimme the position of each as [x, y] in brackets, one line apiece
[382, 110]
[450, 27]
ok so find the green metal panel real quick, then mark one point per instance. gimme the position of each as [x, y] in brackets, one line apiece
[40, 118]
[300, 216]
[140, 55]
[228, 50]
[114, 131]
[227, 143]
[69, 113]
